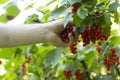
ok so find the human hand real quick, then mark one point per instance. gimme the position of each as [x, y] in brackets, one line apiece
[59, 37]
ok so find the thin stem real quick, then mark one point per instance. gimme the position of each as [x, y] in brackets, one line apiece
[117, 70]
[86, 69]
[33, 7]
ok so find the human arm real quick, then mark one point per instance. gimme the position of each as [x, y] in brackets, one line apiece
[25, 34]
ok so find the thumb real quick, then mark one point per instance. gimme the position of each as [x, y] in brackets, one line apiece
[71, 39]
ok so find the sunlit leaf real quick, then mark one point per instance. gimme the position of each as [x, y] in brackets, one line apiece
[114, 40]
[3, 1]
[12, 10]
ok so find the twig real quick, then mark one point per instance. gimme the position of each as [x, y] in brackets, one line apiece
[86, 69]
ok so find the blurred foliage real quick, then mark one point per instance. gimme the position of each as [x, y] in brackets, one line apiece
[46, 62]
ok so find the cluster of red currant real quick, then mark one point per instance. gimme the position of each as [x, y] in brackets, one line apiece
[65, 33]
[92, 34]
[74, 8]
[111, 59]
[24, 69]
[68, 74]
[79, 75]
[73, 47]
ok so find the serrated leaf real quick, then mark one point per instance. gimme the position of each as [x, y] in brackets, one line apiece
[105, 23]
[114, 40]
[76, 20]
[82, 12]
[59, 11]
[67, 19]
[7, 52]
[12, 10]
[87, 21]
[3, 1]
[53, 57]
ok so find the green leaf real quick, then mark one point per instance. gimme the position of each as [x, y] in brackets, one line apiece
[67, 19]
[32, 77]
[32, 49]
[82, 12]
[59, 11]
[76, 20]
[100, 4]
[7, 52]
[90, 4]
[89, 58]
[53, 57]
[89, 20]
[105, 23]
[3, 18]
[107, 78]
[114, 40]
[116, 17]
[3, 1]
[64, 2]
[12, 10]
[74, 1]
[114, 6]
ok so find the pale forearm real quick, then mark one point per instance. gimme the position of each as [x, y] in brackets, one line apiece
[18, 35]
